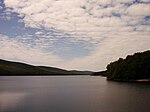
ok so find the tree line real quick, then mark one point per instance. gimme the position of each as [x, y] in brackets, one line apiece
[133, 67]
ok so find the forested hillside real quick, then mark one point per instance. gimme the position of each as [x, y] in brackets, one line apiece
[133, 67]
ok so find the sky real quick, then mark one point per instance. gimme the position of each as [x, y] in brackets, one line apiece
[73, 34]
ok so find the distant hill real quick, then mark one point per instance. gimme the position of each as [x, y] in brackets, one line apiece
[16, 68]
[100, 73]
[133, 67]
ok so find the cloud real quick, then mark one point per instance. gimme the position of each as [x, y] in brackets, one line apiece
[101, 54]
[110, 50]
[75, 16]
[108, 28]
[39, 33]
[17, 51]
[139, 10]
[1, 7]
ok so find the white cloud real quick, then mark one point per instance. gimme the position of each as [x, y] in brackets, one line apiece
[111, 49]
[139, 10]
[17, 51]
[112, 28]
[71, 15]
[39, 33]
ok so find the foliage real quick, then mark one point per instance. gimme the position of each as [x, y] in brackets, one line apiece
[100, 73]
[134, 67]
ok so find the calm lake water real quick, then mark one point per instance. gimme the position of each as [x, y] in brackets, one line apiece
[72, 94]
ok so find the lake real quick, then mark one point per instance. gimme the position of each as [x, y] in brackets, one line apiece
[71, 94]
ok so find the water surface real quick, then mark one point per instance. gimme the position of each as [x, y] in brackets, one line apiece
[72, 94]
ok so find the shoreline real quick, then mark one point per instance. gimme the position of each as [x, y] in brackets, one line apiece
[136, 81]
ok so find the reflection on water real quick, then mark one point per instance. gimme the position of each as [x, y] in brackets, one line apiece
[72, 94]
[9, 100]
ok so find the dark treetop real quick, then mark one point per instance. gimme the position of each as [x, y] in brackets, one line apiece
[134, 67]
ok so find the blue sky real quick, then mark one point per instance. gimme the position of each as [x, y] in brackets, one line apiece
[73, 34]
